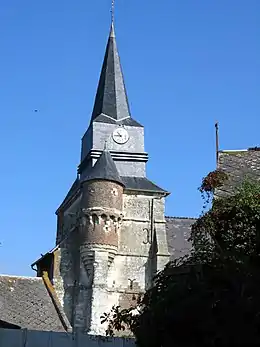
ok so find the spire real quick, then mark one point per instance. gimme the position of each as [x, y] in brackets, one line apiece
[111, 98]
[112, 34]
[104, 169]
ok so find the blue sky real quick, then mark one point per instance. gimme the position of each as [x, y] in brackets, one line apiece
[186, 64]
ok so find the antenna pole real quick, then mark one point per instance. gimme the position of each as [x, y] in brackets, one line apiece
[217, 141]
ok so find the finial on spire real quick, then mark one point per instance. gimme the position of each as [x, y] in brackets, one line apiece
[112, 29]
[112, 12]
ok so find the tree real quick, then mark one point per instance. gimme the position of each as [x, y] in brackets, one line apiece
[212, 296]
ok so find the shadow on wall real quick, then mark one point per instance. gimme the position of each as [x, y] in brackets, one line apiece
[151, 264]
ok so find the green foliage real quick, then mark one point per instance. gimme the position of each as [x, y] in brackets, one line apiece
[231, 227]
[120, 320]
[212, 296]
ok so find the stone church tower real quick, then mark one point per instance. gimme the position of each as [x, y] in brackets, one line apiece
[111, 234]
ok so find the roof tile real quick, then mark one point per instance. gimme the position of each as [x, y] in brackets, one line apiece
[25, 302]
[178, 232]
[239, 165]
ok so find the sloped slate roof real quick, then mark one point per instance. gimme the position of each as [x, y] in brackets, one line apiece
[141, 183]
[111, 98]
[238, 165]
[111, 102]
[74, 188]
[25, 302]
[178, 232]
[134, 183]
[104, 169]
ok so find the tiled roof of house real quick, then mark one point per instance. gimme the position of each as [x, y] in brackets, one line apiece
[178, 232]
[26, 303]
[239, 165]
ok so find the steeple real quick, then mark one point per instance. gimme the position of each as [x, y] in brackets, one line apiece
[111, 110]
[111, 98]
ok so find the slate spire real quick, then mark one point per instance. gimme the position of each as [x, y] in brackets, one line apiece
[111, 98]
[104, 169]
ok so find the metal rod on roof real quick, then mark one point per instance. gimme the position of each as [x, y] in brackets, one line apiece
[217, 141]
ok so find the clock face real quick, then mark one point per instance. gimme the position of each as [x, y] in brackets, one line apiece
[120, 135]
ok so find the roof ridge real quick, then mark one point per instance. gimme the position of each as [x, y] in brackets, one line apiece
[173, 217]
[232, 150]
[256, 148]
[21, 277]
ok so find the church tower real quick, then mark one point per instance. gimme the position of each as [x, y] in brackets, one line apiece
[111, 237]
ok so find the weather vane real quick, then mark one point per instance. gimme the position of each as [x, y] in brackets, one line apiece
[112, 11]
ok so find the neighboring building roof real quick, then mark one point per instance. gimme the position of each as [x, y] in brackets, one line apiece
[141, 184]
[7, 325]
[178, 232]
[111, 102]
[239, 165]
[104, 169]
[26, 303]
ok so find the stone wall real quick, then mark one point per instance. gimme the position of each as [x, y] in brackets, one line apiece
[66, 273]
[119, 279]
[136, 261]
